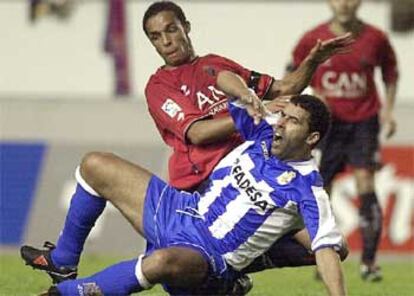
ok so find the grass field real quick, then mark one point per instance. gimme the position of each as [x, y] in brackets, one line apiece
[18, 279]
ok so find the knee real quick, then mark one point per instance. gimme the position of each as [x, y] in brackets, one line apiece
[171, 267]
[178, 267]
[364, 181]
[92, 164]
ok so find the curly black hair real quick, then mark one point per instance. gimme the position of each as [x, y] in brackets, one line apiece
[320, 116]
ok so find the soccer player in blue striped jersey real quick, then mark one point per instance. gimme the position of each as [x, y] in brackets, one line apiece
[262, 190]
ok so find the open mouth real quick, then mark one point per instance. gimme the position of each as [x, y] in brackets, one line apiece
[277, 137]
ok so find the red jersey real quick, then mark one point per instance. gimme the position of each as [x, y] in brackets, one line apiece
[179, 97]
[346, 81]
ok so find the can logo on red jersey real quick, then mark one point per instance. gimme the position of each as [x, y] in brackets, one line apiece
[343, 84]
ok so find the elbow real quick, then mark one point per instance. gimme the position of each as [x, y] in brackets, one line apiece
[195, 140]
[287, 87]
[196, 137]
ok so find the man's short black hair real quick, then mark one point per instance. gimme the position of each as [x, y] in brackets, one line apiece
[319, 115]
[160, 6]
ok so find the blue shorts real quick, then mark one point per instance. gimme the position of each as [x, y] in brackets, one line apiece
[171, 219]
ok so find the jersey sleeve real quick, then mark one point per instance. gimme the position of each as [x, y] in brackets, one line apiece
[170, 109]
[319, 220]
[259, 82]
[245, 124]
[388, 61]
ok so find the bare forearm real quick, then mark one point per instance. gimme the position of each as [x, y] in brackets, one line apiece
[391, 91]
[329, 267]
[209, 131]
[232, 84]
[294, 82]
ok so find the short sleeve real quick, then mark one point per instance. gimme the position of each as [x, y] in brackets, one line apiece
[319, 219]
[388, 61]
[171, 110]
[259, 82]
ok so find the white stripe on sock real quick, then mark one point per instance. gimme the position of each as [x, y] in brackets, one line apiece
[143, 282]
[83, 183]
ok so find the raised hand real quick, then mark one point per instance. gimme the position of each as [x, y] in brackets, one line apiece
[323, 50]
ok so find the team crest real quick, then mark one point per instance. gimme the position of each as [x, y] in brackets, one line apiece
[286, 178]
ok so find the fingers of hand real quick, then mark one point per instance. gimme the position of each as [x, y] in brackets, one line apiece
[341, 41]
[255, 114]
[390, 126]
[284, 99]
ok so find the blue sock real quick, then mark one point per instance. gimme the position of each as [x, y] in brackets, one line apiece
[84, 210]
[118, 279]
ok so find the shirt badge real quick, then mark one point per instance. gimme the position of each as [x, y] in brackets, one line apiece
[173, 109]
[185, 90]
[286, 178]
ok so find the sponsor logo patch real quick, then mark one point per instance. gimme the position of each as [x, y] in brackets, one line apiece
[172, 109]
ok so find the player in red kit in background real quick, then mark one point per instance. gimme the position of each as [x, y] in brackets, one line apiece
[346, 84]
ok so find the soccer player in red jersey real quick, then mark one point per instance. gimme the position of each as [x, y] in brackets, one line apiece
[187, 97]
[346, 83]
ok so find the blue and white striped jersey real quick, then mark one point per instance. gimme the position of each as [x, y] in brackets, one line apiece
[253, 198]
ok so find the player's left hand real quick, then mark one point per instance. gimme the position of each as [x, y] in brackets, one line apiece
[278, 103]
[388, 124]
[323, 50]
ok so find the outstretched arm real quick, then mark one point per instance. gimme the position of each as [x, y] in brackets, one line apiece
[208, 131]
[296, 81]
[234, 86]
[330, 269]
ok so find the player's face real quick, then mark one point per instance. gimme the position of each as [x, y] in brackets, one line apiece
[344, 10]
[292, 138]
[170, 38]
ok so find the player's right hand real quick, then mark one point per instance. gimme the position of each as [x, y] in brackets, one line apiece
[323, 50]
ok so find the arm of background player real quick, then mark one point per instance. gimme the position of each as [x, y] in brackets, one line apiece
[329, 267]
[388, 120]
[296, 81]
[389, 71]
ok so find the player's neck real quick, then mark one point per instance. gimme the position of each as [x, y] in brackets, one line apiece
[354, 26]
[297, 157]
[189, 60]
